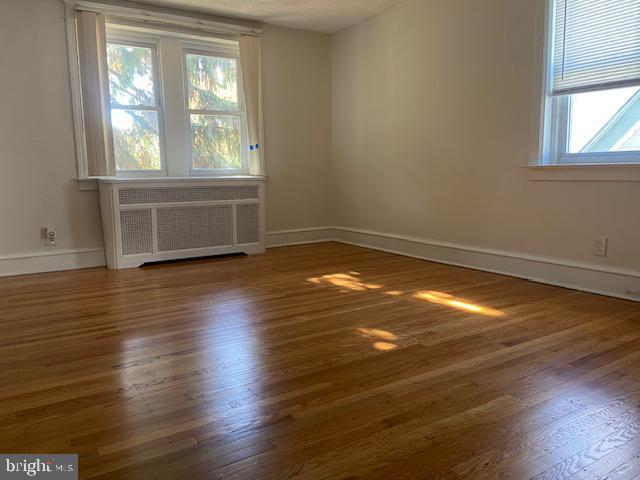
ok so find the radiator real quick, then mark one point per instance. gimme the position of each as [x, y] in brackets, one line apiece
[166, 219]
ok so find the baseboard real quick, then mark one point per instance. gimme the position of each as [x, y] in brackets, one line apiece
[610, 281]
[39, 262]
[592, 278]
[299, 236]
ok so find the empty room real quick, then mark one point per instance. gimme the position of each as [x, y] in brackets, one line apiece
[320, 239]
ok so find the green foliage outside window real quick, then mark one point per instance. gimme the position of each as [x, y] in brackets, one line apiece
[213, 86]
[215, 142]
[135, 132]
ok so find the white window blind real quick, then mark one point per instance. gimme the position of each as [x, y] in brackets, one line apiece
[596, 45]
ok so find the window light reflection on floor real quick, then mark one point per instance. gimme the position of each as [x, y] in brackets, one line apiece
[351, 281]
[458, 303]
[384, 346]
[393, 293]
[346, 280]
[377, 333]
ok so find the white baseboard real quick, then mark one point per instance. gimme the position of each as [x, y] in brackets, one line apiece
[299, 236]
[610, 281]
[38, 262]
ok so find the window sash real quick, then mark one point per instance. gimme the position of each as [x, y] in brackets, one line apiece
[209, 51]
[560, 142]
[144, 41]
[596, 45]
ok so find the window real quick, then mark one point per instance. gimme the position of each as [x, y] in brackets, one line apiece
[163, 94]
[202, 122]
[593, 92]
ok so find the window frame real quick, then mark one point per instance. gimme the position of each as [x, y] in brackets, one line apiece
[168, 27]
[555, 116]
[217, 51]
[181, 165]
[152, 42]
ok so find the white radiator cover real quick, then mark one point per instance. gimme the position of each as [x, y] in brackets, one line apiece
[150, 220]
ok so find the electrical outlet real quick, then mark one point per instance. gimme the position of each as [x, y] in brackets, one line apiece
[49, 235]
[600, 246]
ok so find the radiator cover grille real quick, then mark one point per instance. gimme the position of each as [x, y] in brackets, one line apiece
[248, 223]
[134, 196]
[186, 228]
[136, 232]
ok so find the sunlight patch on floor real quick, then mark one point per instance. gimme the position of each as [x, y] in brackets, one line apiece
[350, 281]
[384, 346]
[377, 333]
[441, 298]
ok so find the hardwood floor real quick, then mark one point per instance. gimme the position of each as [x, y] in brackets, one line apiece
[314, 362]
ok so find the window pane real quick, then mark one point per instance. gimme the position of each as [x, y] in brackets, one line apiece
[130, 75]
[212, 83]
[135, 139]
[215, 142]
[605, 121]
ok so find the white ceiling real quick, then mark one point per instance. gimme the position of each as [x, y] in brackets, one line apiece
[327, 16]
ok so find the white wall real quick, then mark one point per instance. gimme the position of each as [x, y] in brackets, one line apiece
[297, 107]
[36, 134]
[435, 112]
[37, 185]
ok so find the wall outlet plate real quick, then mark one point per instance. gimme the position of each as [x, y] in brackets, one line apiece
[49, 235]
[600, 246]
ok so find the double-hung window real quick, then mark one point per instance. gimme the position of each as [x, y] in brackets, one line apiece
[205, 131]
[592, 94]
[158, 94]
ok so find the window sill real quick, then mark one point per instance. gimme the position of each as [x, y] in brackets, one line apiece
[91, 183]
[627, 172]
[87, 183]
